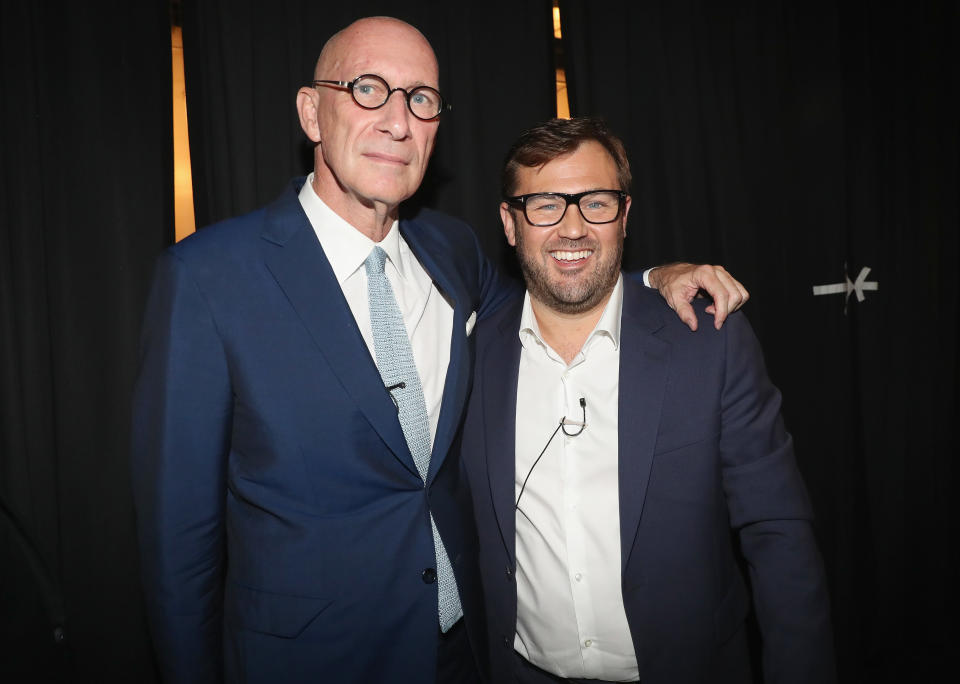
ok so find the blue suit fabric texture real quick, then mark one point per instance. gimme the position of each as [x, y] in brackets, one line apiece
[284, 527]
[703, 452]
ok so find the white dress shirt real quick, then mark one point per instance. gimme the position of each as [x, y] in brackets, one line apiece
[427, 316]
[570, 615]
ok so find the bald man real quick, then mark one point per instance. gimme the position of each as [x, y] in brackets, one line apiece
[304, 372]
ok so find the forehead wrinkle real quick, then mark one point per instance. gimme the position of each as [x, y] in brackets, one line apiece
[582, 181]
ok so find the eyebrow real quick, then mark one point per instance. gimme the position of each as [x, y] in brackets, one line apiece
[409, 86]
[417, 84]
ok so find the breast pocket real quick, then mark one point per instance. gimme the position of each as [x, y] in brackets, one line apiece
[676, 439]
[686, 470]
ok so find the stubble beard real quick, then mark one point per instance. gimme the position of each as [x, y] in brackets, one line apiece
[572, 293]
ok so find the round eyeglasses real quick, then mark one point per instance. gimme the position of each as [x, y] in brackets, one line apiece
[548, 208]
[372, 92]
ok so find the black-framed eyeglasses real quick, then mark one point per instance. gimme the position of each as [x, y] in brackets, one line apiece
[372, 92]
[548, 208]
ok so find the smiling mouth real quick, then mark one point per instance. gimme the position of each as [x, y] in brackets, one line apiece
[569, 257]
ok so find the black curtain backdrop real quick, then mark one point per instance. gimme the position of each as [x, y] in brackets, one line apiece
[799, 143]
[244, 66]
[85, 207]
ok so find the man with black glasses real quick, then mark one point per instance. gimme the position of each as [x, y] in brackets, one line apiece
[304, 372]
[609, 454]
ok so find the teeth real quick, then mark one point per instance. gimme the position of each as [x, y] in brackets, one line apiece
[572, 256]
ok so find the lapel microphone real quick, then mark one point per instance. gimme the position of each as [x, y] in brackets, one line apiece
[564, 421]
[390, 388]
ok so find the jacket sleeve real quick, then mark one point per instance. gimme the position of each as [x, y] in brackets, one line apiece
[769, 507]
[180, 442]
[495, 288]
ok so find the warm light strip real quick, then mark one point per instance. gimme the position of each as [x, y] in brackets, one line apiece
[563, 103]
[185, 222]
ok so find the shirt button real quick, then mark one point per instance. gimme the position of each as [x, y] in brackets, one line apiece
[429, 576]
[588, 643]
[578, 577]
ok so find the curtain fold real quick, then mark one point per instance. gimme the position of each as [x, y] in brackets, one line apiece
[799, 144]
[86, 206]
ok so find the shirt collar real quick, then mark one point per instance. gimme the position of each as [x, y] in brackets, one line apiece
[609, 323]
[607, 327]
[345, 246]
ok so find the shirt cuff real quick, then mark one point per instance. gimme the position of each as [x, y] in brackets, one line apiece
[646, 276]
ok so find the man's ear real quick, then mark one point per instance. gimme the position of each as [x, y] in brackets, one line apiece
[626, 213]
[308, 101]
[506, 216]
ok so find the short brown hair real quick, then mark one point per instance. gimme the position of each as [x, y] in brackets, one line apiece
[554, 138]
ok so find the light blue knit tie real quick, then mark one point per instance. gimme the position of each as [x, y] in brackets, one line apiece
[395, 361]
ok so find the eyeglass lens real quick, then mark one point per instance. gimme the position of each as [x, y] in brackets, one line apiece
[371, 92]
[596, 207]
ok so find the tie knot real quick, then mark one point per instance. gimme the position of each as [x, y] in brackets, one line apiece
[375, 261]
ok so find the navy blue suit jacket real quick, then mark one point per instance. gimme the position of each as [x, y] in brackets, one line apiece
[702, 449]
[283, 525]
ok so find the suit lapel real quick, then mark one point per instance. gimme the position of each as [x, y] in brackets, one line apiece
[295, 258]
[501, 366]
[457, 381]
[644, 368]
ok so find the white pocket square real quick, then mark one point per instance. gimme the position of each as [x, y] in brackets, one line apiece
[472, 321]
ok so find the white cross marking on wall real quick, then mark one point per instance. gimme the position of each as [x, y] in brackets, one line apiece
[858, 286]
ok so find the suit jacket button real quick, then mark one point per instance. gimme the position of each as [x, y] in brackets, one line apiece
[506, 641]
[429, 576]
[509, 573]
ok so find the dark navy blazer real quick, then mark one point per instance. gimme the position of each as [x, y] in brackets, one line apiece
[702, 449]
[284, 528]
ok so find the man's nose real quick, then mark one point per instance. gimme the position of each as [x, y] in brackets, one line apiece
[395, 117]
[572, 225]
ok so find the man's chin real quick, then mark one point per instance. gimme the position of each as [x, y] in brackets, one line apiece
[391, 196]
[566, 300]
